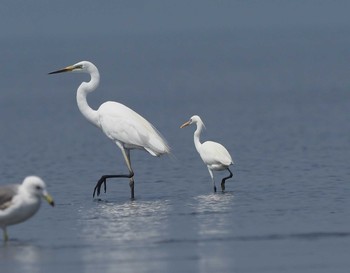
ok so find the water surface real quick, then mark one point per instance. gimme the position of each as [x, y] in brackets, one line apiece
[277, 100]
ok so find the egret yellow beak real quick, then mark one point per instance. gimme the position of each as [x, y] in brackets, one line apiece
[66, 69]
[185, 124]
[49, 199]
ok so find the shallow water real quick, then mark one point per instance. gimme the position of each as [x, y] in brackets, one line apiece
[278, 102]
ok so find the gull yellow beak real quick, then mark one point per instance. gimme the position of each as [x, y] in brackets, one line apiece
[66, 69]
[185, 124]
[49, 199]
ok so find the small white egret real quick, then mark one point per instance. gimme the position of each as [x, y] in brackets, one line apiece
[19, 202]
[122, 125]
[213, 154]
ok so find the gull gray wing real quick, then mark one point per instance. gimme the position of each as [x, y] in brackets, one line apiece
[7, 192]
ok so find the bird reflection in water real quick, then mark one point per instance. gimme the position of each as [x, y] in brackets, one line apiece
[128, 222]
[25, 256]
[217, 206]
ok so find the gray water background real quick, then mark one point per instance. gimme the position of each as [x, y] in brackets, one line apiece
[277, 99]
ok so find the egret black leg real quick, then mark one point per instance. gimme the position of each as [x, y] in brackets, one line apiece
[224, 179]
[131, 184]
[103, 180]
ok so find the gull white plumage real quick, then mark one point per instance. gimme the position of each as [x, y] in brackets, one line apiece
[122, 125]
[19, 202]
[213, 154]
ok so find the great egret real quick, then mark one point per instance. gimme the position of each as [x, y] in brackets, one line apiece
[213, 154]
[18, 202]
[121, 124]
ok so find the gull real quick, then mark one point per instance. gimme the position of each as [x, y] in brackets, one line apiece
[19, 202]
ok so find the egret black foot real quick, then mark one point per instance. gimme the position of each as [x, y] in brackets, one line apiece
[223, 186]
[97, 189]
[214, 188]
[224, 180]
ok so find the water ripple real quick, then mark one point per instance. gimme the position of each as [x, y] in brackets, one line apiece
[268, 237]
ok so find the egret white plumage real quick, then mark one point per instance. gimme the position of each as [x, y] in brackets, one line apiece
[213, 154]
[19, 202]
[122, 125]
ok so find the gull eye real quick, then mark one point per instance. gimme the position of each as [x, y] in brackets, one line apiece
[38, 187]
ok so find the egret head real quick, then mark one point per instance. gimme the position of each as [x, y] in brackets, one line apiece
[37, 187]
[82, 67]
[194, 119]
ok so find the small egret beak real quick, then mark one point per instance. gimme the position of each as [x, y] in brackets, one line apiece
[49, 199]
[66, 69]
[185, 124]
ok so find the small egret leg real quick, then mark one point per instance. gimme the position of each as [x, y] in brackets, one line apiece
[224, 179]
[212, 178]
[131, 179]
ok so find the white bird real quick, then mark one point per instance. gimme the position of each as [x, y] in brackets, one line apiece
[19, 202]
[213, 154]
[122, 125]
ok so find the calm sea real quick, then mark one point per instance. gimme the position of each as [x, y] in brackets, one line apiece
[277, 100]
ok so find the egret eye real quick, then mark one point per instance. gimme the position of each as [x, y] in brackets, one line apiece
[80, 66]
[38, 187]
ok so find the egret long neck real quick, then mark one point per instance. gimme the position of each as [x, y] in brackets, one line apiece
[85, 88]
[196, 136]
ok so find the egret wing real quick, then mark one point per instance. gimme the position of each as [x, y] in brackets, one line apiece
[215, 153]
[121, 123]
